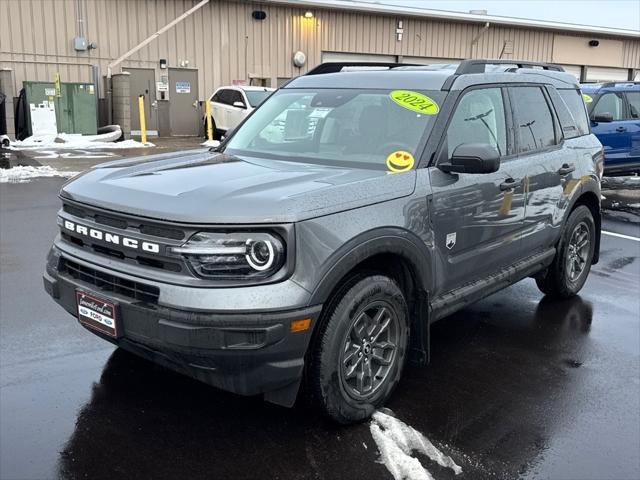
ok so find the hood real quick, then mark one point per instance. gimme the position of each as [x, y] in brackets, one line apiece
[206, 187]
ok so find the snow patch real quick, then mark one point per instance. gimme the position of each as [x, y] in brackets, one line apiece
[23, 174]
[397, 441]
[210, 143]
[75, 141]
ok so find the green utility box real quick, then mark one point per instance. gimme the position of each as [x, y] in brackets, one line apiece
[75, 108]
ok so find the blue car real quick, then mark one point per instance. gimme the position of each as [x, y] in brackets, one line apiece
[614, 111]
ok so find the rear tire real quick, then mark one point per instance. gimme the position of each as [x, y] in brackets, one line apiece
[570, 268]
[360, 349]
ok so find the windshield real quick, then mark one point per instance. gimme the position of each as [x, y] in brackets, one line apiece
[337, 126]
[256, 97]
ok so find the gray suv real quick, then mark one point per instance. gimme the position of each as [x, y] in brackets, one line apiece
[359, 204]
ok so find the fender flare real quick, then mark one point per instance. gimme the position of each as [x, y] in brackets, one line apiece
[588, 186]
[386, 240]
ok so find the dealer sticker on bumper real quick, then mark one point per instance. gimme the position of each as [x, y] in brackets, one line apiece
[96, 313]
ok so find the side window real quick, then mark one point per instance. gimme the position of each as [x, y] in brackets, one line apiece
[610, 103]
[575, 104]
[533, 119]
[479, 118]
[235, 96]
[634, 104]
[224, 97]
[215, 97]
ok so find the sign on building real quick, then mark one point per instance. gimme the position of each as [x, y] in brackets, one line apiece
[183, 87]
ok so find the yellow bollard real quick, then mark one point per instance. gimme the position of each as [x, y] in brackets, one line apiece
[143, 125]
[207, 109]
[505, 207]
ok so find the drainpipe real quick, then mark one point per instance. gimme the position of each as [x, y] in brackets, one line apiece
[142, 44]
[474, 42]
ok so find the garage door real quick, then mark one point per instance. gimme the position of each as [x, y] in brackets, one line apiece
[575, 70]
[356, 57]
[602, 74]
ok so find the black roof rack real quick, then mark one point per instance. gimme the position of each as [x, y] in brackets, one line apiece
[478, 66]
[334, 67]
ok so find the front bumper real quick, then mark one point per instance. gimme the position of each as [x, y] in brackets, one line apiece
[247, 353]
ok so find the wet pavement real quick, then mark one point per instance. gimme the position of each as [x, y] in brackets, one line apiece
[79, 159]
[518, 386]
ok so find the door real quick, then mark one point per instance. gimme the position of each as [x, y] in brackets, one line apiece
[633, 125]
[615, 135]
[575, 70]
[235, 113]
[142, 81]
[546, 165]
[184, 113]
[607, 74]
[477, 217]
[218, 109]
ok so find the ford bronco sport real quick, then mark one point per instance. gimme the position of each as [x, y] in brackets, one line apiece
[320, 240]
[614, 110]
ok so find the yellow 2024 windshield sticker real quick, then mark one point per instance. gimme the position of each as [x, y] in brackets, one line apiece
[400, 161]
[586, 98]
[415, 101]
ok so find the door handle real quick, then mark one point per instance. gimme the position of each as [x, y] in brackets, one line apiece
[621, 129]
[509, 183]
[566, 169]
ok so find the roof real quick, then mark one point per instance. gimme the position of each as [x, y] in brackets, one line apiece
[427, 77]
[254, 88]
[380, 8]
[594, 87]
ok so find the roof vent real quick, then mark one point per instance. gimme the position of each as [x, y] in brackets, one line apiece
[478, 12]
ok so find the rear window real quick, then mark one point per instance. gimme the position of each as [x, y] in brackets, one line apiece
[574, 102]
[634, 104]
[535, 126]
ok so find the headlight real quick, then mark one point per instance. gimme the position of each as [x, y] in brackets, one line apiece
[234, 256]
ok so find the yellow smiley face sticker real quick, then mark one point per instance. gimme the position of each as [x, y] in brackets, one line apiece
[400, 161]
[586, 98]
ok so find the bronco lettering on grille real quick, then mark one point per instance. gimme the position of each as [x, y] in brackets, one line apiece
[112, 238]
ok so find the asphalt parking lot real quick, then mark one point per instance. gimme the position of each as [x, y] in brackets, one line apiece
[519, 386]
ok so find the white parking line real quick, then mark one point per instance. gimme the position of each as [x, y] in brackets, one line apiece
[619, 235]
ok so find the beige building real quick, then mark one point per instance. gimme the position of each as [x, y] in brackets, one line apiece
[226, 41]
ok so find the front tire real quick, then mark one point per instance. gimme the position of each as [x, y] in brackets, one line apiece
[361, 349]
[570, 268]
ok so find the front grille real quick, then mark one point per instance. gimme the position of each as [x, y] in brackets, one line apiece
[107, 282]
[160, 264]
[110, 221]
[134, 225]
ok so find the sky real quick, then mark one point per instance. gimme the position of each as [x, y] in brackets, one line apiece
[606, 13]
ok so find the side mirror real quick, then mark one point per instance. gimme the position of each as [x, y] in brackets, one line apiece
[473, 158]
[239, 104]
[605, 117]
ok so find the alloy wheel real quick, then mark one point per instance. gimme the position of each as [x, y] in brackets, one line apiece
[578, 251]
[369, 350]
